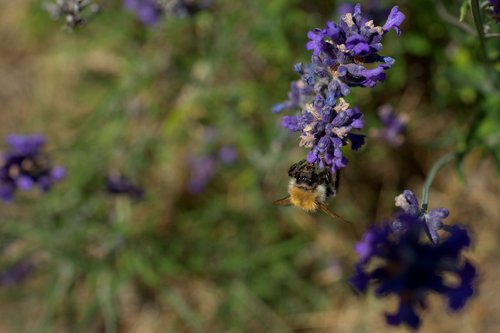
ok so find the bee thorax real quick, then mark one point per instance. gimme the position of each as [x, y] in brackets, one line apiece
[306, 198]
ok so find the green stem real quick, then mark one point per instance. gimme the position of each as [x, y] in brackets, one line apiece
[430, 177]
[476, 13]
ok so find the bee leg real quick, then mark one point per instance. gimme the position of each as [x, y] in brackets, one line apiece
[337, 181]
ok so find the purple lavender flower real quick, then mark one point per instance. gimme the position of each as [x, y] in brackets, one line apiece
[433, 220]
[25, 165]
[400, 263]
[345, 55]
[118, 184]
[16, 273]
[393, 126]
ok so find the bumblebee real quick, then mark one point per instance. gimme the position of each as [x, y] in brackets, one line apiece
[310, 187]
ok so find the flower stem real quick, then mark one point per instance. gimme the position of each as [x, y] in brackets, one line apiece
[430, 177]
[476, 13]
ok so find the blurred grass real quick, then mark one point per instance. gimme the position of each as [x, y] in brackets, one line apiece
[117, 96]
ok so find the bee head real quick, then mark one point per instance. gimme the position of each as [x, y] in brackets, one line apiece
[309, 180]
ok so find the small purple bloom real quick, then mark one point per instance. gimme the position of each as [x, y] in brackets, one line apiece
[118, 185]
[433, 220]
[25, 145]
[16, 273]
[394, 20]
[399, 262]
[149, 12]
[393, 126]
[316, 41]
[25, 166]
[228, 155]
[203, 169]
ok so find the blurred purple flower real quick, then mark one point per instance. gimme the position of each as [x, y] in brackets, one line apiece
[149, 12]
[495, 10]
[228, 155]
[203, 169]
[398, 262]
[118, 184]
[393, 126]
[25, 165]
[345, 55]
[16, 273]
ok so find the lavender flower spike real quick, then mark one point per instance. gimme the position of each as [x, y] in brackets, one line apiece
[344, 55]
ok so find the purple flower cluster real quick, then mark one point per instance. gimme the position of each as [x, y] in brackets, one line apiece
[393, 126]
[345, 55]
[118, 184]
[25, 165]
[149, 12]
[396, 261]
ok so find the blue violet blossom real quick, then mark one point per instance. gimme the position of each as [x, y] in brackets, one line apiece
[345, 55]
[24, 166]
[150, 12]
[399, 261]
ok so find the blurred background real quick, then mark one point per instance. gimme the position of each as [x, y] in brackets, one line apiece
[182, 109]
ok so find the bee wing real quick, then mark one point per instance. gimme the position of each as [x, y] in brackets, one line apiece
[325, 209]
[283, 202]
